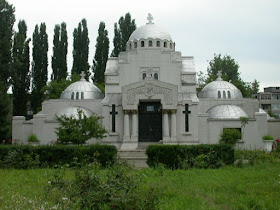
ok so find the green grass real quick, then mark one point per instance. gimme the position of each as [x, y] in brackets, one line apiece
[250, 187]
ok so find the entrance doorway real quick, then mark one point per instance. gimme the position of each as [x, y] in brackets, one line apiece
[150, 122]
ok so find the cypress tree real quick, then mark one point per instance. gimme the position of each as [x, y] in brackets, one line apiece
[81, 49]
[101, 54]
[39, 65]
[4, 112]
[59, 58]
[20, 70]
[122, 31]
[7, 19]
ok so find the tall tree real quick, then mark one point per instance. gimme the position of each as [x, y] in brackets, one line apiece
[122, 31]
[20, 70]
[81, 49]
[7, 19]
[4, 112]
[59, 58]
[39, 65]
[101, 54]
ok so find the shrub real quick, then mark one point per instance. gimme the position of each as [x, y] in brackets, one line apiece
[230, 136]
[185, 156]
[268, 137]
[60, 154]
[33, 139]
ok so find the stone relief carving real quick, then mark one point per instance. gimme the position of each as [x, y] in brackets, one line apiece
[149, 89]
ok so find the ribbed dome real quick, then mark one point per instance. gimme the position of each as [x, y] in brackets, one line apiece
[150, 31]
[226, 112]
[82, 90]
[220, 89]
[73, 111]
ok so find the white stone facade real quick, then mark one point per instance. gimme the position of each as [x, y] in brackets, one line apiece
[151, 93]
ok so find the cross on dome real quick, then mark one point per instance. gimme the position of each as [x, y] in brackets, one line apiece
[150, 18]
[82, 75]
[219, 74]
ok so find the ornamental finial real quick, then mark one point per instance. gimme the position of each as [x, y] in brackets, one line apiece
[219, 74]
[82, 75]
[150, 18]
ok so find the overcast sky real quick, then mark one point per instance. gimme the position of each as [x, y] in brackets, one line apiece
[247, 30]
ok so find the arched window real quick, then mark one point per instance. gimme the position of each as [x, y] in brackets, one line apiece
[156, 76]
[150, 43]
[228, 93]
[170, 45]
[142, 44]
[72, 95]
[158, 43]
[135, 44]
[165, 44]
[224, 94]
[144, 76]
[77, 95]
[82, 95]
[130, 46]
[219, 94]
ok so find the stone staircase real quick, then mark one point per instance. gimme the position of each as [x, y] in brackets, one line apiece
[136, 157]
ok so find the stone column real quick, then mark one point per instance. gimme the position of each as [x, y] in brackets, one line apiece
[134, 136]
[173, 125]
[165, 125]
[126, 133]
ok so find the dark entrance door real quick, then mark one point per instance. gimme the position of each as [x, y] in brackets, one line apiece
[150, 122]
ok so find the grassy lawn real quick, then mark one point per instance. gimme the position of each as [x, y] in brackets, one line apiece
[250, 187]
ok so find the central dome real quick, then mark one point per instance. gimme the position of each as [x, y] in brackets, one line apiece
[150, 31]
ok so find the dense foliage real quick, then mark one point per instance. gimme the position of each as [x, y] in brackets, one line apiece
[4, 113]
[39, 65]
[23, 156]
[20, 70]
[78, 130]
[122, 32]
[230, 136]
[60, 47]
[183, 156]
[81, 49]
[101, 54]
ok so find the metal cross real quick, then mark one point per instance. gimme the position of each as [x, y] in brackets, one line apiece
[219, 74]
[113, 113]
[82, 75]
[150, 18]
[187, 112]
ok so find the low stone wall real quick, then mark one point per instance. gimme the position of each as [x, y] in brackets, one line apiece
[274, 128]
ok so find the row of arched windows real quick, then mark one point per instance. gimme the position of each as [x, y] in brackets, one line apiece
[77, 95]
[225, 95]
[151, 44]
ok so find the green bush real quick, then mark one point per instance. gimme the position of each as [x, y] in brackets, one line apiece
[33, 139]
[230, 136]
[268, 137]
[186, 156]
[57, 155]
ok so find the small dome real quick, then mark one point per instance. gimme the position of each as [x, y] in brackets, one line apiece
[220, 89]
[82, 90]
[226, 112]
[73, 111]
[150, 31]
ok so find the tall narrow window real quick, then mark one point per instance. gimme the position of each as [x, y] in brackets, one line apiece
[82, 95]
[144, 76]
[224, 94]
[150, 43]
[219, 94]
[170, 45]
[228, 93]
[129, 45]
[165, 44]
[158, 43]
[156, 76]
[135, 44]
[77, 95]
[72, 95]
[142, 44]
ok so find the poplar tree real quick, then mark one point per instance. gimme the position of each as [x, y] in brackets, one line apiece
[39, 65]
[101, 54]
[59, 58]
[122, 32]
[20, 70]
[81, 49]
[4, 113]
[7, 19]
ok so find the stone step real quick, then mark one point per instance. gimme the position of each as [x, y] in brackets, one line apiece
[132, 153]
[136, 162]
[144, 145]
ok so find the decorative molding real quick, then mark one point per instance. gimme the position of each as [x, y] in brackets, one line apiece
[165, 111]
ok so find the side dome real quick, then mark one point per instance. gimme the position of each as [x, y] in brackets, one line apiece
[73, 111]
[220, 89]
[226, 112]
[82, 90]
